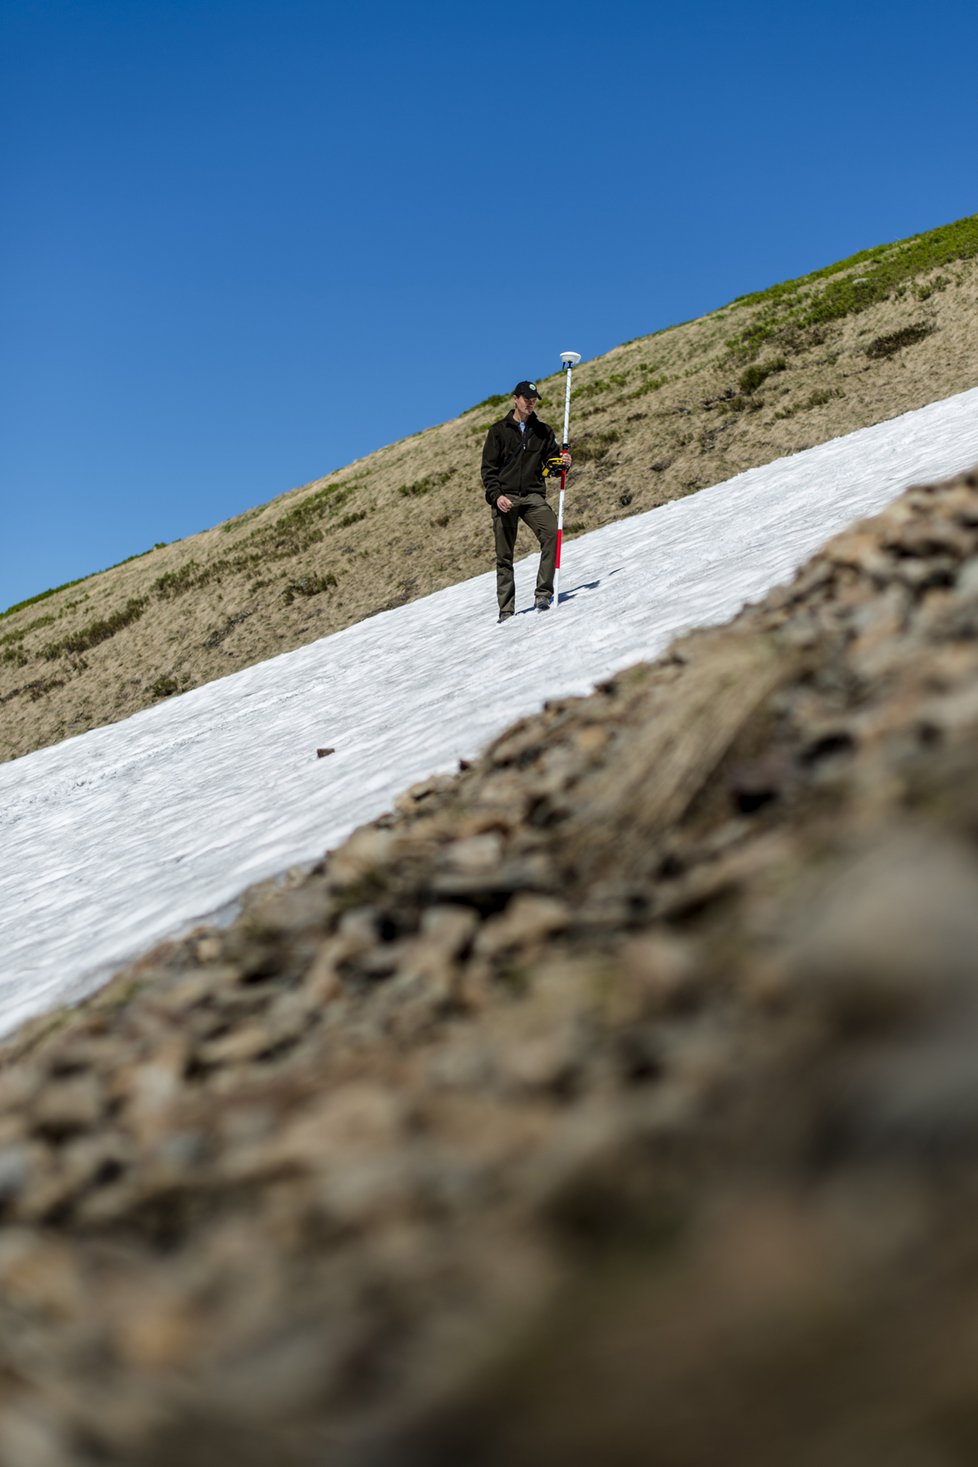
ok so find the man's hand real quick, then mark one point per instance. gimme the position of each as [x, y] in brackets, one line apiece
[503, 504]
[566, 459]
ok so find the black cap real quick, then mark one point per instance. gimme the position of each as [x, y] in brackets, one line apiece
[526, 389]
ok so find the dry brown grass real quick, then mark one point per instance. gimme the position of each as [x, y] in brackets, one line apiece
[655, 419]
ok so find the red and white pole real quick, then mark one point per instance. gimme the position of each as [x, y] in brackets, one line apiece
[570, 360]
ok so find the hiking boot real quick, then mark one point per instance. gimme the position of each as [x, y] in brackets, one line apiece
[542, 603]
[505, 616]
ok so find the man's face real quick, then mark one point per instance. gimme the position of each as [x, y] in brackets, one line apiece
[525, 406]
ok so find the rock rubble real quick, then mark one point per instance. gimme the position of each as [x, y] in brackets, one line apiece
[612, 1100]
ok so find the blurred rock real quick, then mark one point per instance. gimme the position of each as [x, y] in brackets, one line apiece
[613, 1100]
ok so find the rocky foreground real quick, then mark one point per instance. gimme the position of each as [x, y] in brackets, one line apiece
[614, 1101]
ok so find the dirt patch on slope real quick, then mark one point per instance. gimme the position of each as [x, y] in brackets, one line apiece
[613, 1100]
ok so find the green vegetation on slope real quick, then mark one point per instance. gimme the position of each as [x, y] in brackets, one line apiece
[67, 585]
[853, 285]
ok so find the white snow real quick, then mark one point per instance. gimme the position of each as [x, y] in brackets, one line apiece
[130, 833]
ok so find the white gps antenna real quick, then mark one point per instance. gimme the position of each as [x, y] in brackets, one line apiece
[569, 360]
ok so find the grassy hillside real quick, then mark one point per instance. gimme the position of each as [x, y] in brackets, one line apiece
[888, 330]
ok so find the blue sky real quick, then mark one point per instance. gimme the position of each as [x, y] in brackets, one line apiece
[244, 244]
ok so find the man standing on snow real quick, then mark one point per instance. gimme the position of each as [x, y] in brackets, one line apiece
[513, 459]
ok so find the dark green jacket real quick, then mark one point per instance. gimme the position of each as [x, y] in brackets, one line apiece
[512, 462]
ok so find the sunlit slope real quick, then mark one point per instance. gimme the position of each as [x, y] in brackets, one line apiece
[655, 419]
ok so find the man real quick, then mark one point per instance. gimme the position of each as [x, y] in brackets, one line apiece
[516, 450]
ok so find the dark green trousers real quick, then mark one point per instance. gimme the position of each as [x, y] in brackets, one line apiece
[534, 510]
